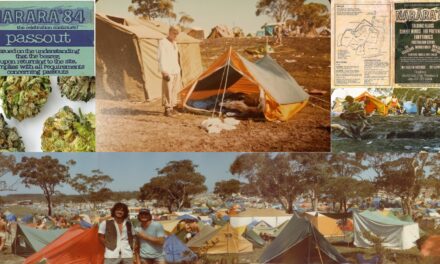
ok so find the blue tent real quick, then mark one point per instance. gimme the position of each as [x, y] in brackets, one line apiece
[11, 218]
[187, 217]
[177, 252]
[27, 219]
[410, 107]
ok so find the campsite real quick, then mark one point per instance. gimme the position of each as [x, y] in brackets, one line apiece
[401, 120]
[270, 93]
[237, 218]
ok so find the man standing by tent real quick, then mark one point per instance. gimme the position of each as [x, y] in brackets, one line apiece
[117, 237]
[169, 66]
[150, 237]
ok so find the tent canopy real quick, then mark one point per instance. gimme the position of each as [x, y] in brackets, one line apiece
[372, 103]
[326, 226]
[397, 234]
[225, 240]
[126, 57]
[177, 252]
[299, 243]
[29, 240]
[232, 73]
[75, 246]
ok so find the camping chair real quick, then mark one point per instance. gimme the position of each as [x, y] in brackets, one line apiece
[360, 259]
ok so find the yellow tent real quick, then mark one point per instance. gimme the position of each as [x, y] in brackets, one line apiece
[226, 240]
[170, 226]
[372, 103]
[327, 226]
[266, 84]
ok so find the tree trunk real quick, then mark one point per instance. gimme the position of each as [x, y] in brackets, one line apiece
[49, 205]
[315, 201]
[290, 207]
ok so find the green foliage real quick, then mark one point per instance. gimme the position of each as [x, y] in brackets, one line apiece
[280, 10]
[311, 16]
[93, 187]
[379, 249]
[69, 132]
[177, 182]
[411, 94]
[24, 96]
[226, 189]
[77, 88]
[152, 9]
[10, 140]
[45, 172]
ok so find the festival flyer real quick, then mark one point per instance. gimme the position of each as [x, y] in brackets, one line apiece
[47, 38]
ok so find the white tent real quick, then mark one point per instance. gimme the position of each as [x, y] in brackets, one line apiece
[271, 216]
[397, 234]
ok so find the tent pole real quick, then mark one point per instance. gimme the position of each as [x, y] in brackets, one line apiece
[218, 91]
[317, 244]
[227, 75]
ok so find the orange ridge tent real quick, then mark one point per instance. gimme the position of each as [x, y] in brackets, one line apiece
[372, 103]
[76, 246]
[278, 92]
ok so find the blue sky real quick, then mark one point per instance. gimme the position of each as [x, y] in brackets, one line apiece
[206, 13]
[132, 170]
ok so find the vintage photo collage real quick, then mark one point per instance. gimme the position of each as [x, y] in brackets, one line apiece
[219, 132]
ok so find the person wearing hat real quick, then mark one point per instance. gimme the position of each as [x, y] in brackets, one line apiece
[117, 236]
[150, 237]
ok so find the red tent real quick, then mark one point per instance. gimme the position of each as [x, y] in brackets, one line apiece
[76, 246]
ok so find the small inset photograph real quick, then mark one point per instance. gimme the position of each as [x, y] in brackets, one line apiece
[385, 120]
[47, 114]
[221, 76]
[205, 208]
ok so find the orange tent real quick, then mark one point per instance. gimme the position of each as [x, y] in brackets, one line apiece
[431, 247]
[75, 246]
[265, 82]
[372, 103]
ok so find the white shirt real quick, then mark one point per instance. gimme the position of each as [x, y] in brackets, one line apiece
[168, 57]
[122, 244]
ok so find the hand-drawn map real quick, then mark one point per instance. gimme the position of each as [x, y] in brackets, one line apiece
[361, 45]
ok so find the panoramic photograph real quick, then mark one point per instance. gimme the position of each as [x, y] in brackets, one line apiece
[220, 207]
[386, 120]
[188, 77]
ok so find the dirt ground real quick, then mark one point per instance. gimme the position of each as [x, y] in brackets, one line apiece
[140, 126]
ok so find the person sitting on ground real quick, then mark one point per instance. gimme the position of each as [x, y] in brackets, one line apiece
[117, 237]
[150, 237]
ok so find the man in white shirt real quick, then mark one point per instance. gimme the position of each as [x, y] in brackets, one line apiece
[117, 237]
[168, 56]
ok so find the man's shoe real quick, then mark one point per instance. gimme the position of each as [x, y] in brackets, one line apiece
[168, 112]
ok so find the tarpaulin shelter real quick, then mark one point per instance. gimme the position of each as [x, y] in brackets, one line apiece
[253, 237]
[272, 87]
[220, 31]
[271, 216]
[372, 103]
[177, 252]
[29, 240]
[397, 234]
[225, 240]
[300, 243]
[127, 61]
[187, 217]
[327, 226]
[410, 107]
[196, 33]
[76, 246]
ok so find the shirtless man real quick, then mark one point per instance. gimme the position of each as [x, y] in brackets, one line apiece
[3, 230]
